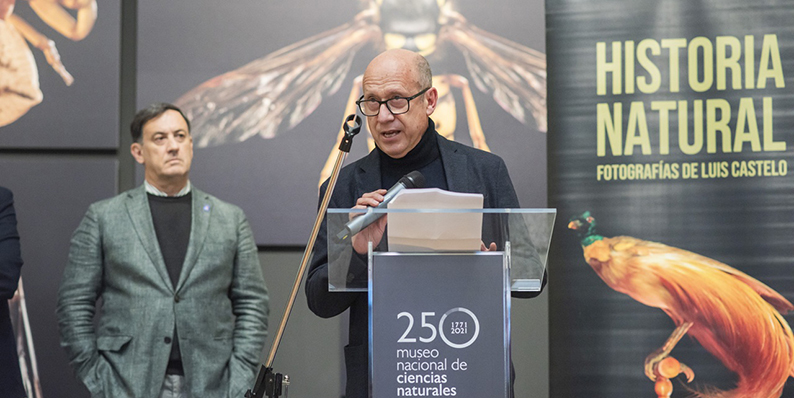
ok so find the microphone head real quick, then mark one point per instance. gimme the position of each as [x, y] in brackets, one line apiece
[413, 179]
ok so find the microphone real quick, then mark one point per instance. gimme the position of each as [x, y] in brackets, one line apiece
[413, 179]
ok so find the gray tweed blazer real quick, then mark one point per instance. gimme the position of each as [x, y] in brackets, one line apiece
[219, 306]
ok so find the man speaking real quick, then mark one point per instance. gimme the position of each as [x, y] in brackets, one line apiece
[184, 304]
[398, 101]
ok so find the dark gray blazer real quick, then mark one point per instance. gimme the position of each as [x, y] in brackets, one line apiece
[10, 266]
[219, 306]
[466, 170]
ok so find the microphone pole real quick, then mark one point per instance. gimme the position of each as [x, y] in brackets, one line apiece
[269, 384]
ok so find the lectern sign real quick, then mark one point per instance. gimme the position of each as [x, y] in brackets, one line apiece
[439, 325]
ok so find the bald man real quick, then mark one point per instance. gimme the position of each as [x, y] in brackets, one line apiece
[398, 101]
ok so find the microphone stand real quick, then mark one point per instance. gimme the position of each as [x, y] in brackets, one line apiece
[269, 384]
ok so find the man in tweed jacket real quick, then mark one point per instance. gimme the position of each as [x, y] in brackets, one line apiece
[183, 301]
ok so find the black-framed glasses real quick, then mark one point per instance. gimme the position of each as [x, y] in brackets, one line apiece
[396, 105]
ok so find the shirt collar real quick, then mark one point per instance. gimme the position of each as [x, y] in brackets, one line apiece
[156, 192]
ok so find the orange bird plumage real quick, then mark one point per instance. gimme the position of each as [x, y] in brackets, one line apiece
[733, 316]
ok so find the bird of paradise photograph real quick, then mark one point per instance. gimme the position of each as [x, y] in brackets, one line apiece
[733, 316]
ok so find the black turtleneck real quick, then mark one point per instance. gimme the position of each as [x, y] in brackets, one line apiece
[172, 217]
[424, 157]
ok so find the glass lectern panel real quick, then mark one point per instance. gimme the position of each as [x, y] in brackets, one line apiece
[525, 234]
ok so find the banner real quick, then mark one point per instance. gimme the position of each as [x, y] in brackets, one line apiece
[670, 146]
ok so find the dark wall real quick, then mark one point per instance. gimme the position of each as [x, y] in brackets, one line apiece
[51, 193]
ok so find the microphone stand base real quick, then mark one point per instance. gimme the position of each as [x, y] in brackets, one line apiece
[269, 384]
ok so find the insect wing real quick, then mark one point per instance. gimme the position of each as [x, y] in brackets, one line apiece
[514, 74]
[287, 84]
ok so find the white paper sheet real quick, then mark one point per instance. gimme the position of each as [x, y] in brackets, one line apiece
[425, 232]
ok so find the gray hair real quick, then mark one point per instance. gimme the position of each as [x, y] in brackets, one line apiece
[424, 75]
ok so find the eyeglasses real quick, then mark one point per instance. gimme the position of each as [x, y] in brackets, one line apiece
[396, 105]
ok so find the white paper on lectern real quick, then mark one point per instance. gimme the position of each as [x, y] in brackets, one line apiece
[424, 232]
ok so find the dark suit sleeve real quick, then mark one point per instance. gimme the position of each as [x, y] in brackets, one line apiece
[77, 297]
[10, 254]
[250, 304]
